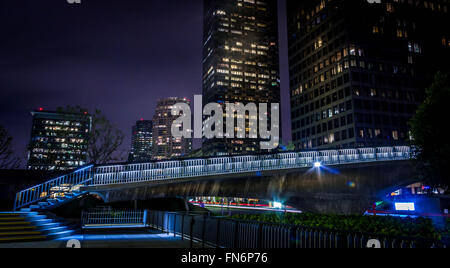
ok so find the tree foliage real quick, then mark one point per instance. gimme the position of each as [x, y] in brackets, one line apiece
[105, 139]
[7, 158]
[429, 132]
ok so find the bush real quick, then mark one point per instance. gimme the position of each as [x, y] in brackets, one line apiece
[408, 227]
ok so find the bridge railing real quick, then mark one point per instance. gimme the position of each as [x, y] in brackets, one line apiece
[168, 170]
[228, 233]
[55, 188]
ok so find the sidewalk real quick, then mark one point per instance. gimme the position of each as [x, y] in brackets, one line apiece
[114, 240]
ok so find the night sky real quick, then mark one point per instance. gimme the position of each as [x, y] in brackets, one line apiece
[115, 55]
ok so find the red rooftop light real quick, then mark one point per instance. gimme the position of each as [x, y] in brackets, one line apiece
[41, 109]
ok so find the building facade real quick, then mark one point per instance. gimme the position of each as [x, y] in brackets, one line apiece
[240, 61]
[59, 141]
[141, 142]
[165, 146]
[359, 69]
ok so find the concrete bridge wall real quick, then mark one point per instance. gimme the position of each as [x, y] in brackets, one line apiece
[344, 189]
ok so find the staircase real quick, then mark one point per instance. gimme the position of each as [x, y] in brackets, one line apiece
[54, 193]
[25, 226]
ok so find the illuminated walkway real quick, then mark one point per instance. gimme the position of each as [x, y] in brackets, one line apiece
[132, 240]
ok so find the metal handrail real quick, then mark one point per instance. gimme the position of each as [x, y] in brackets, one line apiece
[54, 188]
[110, 218]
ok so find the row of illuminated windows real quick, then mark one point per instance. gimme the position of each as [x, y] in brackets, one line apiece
[432, 5]
[250, 63]
[307, 67]
[313, 94]
[56, 151]
[327, 139]
[322, 115]
[247, 51]
[61, 123]
[246, 74]
[340, 67]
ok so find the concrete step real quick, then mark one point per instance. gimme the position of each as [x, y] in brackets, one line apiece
[14, 223]
[11, 214]
[41, 222]
[25, 226]
[36, 217]
[17, 239]
[20, 233]
[61, 234]
[18, 228]
[18, 213]
[51, 230]
[49, 225]
[12, 219]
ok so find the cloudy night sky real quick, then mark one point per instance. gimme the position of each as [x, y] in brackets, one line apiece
[118, 56]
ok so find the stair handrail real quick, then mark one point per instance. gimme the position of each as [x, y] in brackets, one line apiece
[41, 191]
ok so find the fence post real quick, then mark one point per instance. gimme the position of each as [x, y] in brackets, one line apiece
[192, 230]
[145, 217]
[174, 225]
[218, 233]
[204, 231]
[236, 231]
[182, 226]
[293, 242]
[260, 230]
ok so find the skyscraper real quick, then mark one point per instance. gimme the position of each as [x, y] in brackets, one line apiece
[141, 142]
[240, 61]
[165, 146]
[358, 69]
[59, 141]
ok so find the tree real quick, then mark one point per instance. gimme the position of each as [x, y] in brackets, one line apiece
[429, 135]
[105, 139]
[7, 158]
[286, 148]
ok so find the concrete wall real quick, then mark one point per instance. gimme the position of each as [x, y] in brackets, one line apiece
[344, 189]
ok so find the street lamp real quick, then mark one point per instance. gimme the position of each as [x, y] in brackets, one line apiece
[317, 164]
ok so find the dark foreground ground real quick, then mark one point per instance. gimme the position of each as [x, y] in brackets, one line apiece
[113, 239]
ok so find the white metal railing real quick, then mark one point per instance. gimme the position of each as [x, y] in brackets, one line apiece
[55, 188]
[170, 170]
[112, 218]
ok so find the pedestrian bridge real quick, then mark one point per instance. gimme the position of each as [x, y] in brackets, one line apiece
[93, 179]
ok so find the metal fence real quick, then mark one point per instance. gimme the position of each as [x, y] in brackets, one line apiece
[112, 218]
[228, 233]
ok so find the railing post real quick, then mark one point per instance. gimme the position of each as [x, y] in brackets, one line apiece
[192, 230]
[260, 231]
[236, 232]
[218, 233]
[204, 231]
[174, 225]
[145, 217]
[293, 238]
[182, 226]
